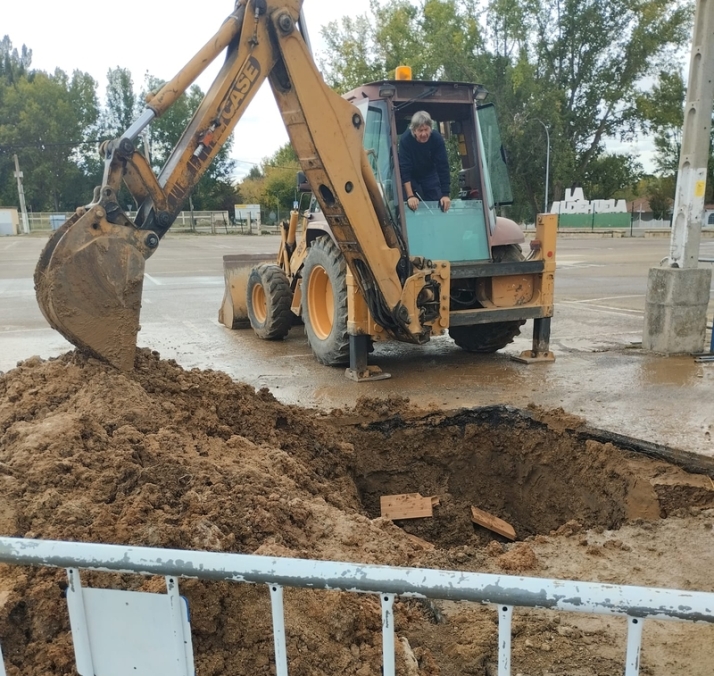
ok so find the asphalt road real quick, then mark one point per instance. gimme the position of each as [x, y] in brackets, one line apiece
[599, 373]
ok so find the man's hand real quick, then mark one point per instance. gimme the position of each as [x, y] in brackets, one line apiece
[445, 203]
[413, 202]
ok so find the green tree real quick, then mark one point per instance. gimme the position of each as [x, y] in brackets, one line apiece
[611, 175]
[46, 120]
[216, 185]
[280, 171]
[273, 183]
[575, 65]
[660, 192]
[14, 65]
[251, 188]
[121, 103]
[662, 111]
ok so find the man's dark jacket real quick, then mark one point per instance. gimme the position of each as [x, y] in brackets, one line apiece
[425, 165]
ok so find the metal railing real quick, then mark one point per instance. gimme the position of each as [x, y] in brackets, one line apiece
[506, 592]
[214, 222]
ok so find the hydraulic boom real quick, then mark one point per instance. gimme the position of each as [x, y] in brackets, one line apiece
[90, 275]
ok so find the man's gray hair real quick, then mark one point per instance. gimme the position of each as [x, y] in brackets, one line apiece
[421, 117]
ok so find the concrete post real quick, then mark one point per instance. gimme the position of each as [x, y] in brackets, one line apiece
[21, 193]
[678, 296]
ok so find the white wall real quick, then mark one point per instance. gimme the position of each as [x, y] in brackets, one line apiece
[9, 221]
[575, 203]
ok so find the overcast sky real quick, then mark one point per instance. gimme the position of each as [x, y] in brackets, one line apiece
[158, 36]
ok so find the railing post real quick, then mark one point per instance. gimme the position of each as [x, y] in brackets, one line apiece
[634, 643]
[78, 623]
[388, 662]
[505, 614]
[281, 652]
[183, 655]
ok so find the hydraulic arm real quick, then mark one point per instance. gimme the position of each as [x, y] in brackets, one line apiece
[89, 278]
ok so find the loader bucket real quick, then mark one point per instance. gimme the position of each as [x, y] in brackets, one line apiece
[88, 283]
[233, 312]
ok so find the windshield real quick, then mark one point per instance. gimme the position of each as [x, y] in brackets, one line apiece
[494, 156]
[378, 146]
[457, 235]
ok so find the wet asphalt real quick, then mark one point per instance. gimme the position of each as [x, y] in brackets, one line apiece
[600, 372]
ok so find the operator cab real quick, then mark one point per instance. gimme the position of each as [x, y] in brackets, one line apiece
[479, 177]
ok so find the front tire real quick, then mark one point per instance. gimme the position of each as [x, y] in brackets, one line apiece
[489, 338]
[269, 299]
[324, 303]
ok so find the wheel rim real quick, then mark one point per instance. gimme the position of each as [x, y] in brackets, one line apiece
[320, 302]
[260, 304]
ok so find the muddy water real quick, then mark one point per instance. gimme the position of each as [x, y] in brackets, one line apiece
[598, 374]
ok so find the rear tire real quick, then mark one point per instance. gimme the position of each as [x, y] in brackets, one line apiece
[269, 299]
[489, 338]
[324, 303]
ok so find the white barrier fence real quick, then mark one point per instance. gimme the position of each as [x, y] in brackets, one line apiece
[503, 591]
[213, 222]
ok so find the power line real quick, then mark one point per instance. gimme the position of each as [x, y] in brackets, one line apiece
[41, 144]
[11, 148]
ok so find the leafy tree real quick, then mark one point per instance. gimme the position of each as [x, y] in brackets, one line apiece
[280, 171]
[121, 107]
[660, 191]
[53, 122]
[436, 42]
[575, 65]
[273, 184]
[45, 119]
[252, 189]
[13, 65]
[610, 175]
[357, 63]
[216, 184]
[662, 110]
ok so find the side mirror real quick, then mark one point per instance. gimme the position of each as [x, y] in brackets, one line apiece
[469, 184]
[469, 178]
[302, 182]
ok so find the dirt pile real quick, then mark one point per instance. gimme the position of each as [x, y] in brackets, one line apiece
[190, 459]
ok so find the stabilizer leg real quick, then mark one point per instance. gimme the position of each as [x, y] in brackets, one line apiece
[359, 370]
[541, 344]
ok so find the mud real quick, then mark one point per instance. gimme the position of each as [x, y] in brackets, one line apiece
[190, 459]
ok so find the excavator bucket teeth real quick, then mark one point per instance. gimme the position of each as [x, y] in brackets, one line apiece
[88, 283]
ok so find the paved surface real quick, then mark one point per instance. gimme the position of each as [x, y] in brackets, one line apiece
[600, 373]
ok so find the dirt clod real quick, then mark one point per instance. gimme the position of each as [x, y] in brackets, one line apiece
[166, 457]
[519, 559]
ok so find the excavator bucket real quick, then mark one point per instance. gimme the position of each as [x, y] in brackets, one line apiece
[233, 312]
[89, 281]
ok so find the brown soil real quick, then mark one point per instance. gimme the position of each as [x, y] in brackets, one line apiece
[191, 459]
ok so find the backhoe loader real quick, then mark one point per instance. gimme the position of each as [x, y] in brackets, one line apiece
[363, 269]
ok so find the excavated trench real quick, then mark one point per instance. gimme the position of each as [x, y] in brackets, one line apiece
[165, 457]
[536, 475]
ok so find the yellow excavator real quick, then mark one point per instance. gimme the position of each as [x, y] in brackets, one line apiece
[363, 268]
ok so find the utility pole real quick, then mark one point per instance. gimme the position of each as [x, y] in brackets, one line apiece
[21, 192]
[547, 162]
[678, 295]
[694, 155]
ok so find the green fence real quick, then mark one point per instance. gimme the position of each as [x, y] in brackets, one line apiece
[619, 220]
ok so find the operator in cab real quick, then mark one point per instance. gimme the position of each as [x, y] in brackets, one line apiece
[423, 164]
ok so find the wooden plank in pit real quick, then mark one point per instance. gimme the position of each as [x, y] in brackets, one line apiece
[492, 523]
[406, 506]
